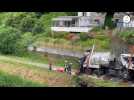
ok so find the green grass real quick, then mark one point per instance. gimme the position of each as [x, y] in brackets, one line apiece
[7, 80]
[100, 40]
[97, 29]
[41, 58]
[36, 74]
[127, 36]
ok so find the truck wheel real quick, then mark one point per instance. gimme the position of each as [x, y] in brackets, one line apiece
[98, 72]
[111, 72]
[119, 74]
[125, 74]
[88, 71]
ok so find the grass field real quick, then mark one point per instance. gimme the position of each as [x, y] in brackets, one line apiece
[41, 58]
[7, 80]
[36, 74]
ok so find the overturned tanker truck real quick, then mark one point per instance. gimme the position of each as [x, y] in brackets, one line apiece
[107, 64]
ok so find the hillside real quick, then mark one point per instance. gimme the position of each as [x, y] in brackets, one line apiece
[22, 68]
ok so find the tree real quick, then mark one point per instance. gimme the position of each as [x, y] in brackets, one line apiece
[39, 14]
[27, 24]
[108, 20]
[46, 20]
[38, 28]
[23, 43]
[24, 21]
[71, 13]
[13, 19]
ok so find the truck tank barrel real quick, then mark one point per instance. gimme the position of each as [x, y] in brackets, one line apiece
[101, 58]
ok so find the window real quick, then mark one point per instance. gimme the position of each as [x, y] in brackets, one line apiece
[74, 21]
[84, 14]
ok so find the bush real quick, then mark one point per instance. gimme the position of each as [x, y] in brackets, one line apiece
[38, 28]
[84, 36]
[97, 29]
[105, 45]
[13, 42]
[130, 41]
[8, 40]
[128, 36]
[24, 42]
[60, 34]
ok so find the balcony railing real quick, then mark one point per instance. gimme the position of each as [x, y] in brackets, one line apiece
[125, 25]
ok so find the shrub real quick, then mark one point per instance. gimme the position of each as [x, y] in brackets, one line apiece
[38, 28]
[97, 29]
[60, 34]
[24, 42]
[105, 45]
[13, 42]
[8, 40]
[130, 40]
[128, 36]
[84, 36]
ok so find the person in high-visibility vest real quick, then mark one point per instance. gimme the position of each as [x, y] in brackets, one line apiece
[50, 66]
[82, 60]
[66, 65]
[86, 62]
[69, 69]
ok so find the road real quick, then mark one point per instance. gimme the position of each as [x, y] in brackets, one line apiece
[66, 52]
[57, 51]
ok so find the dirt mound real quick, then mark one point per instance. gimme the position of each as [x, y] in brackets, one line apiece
[72, 37]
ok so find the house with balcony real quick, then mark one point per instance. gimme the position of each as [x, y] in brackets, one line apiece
[118, 19]
[83, 22]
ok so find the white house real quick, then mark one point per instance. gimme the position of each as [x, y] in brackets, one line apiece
[118, 19]
[83, 22]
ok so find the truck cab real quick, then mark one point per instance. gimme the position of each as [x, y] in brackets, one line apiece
[127, 61]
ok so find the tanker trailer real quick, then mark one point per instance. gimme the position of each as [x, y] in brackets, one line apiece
[98, 62]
